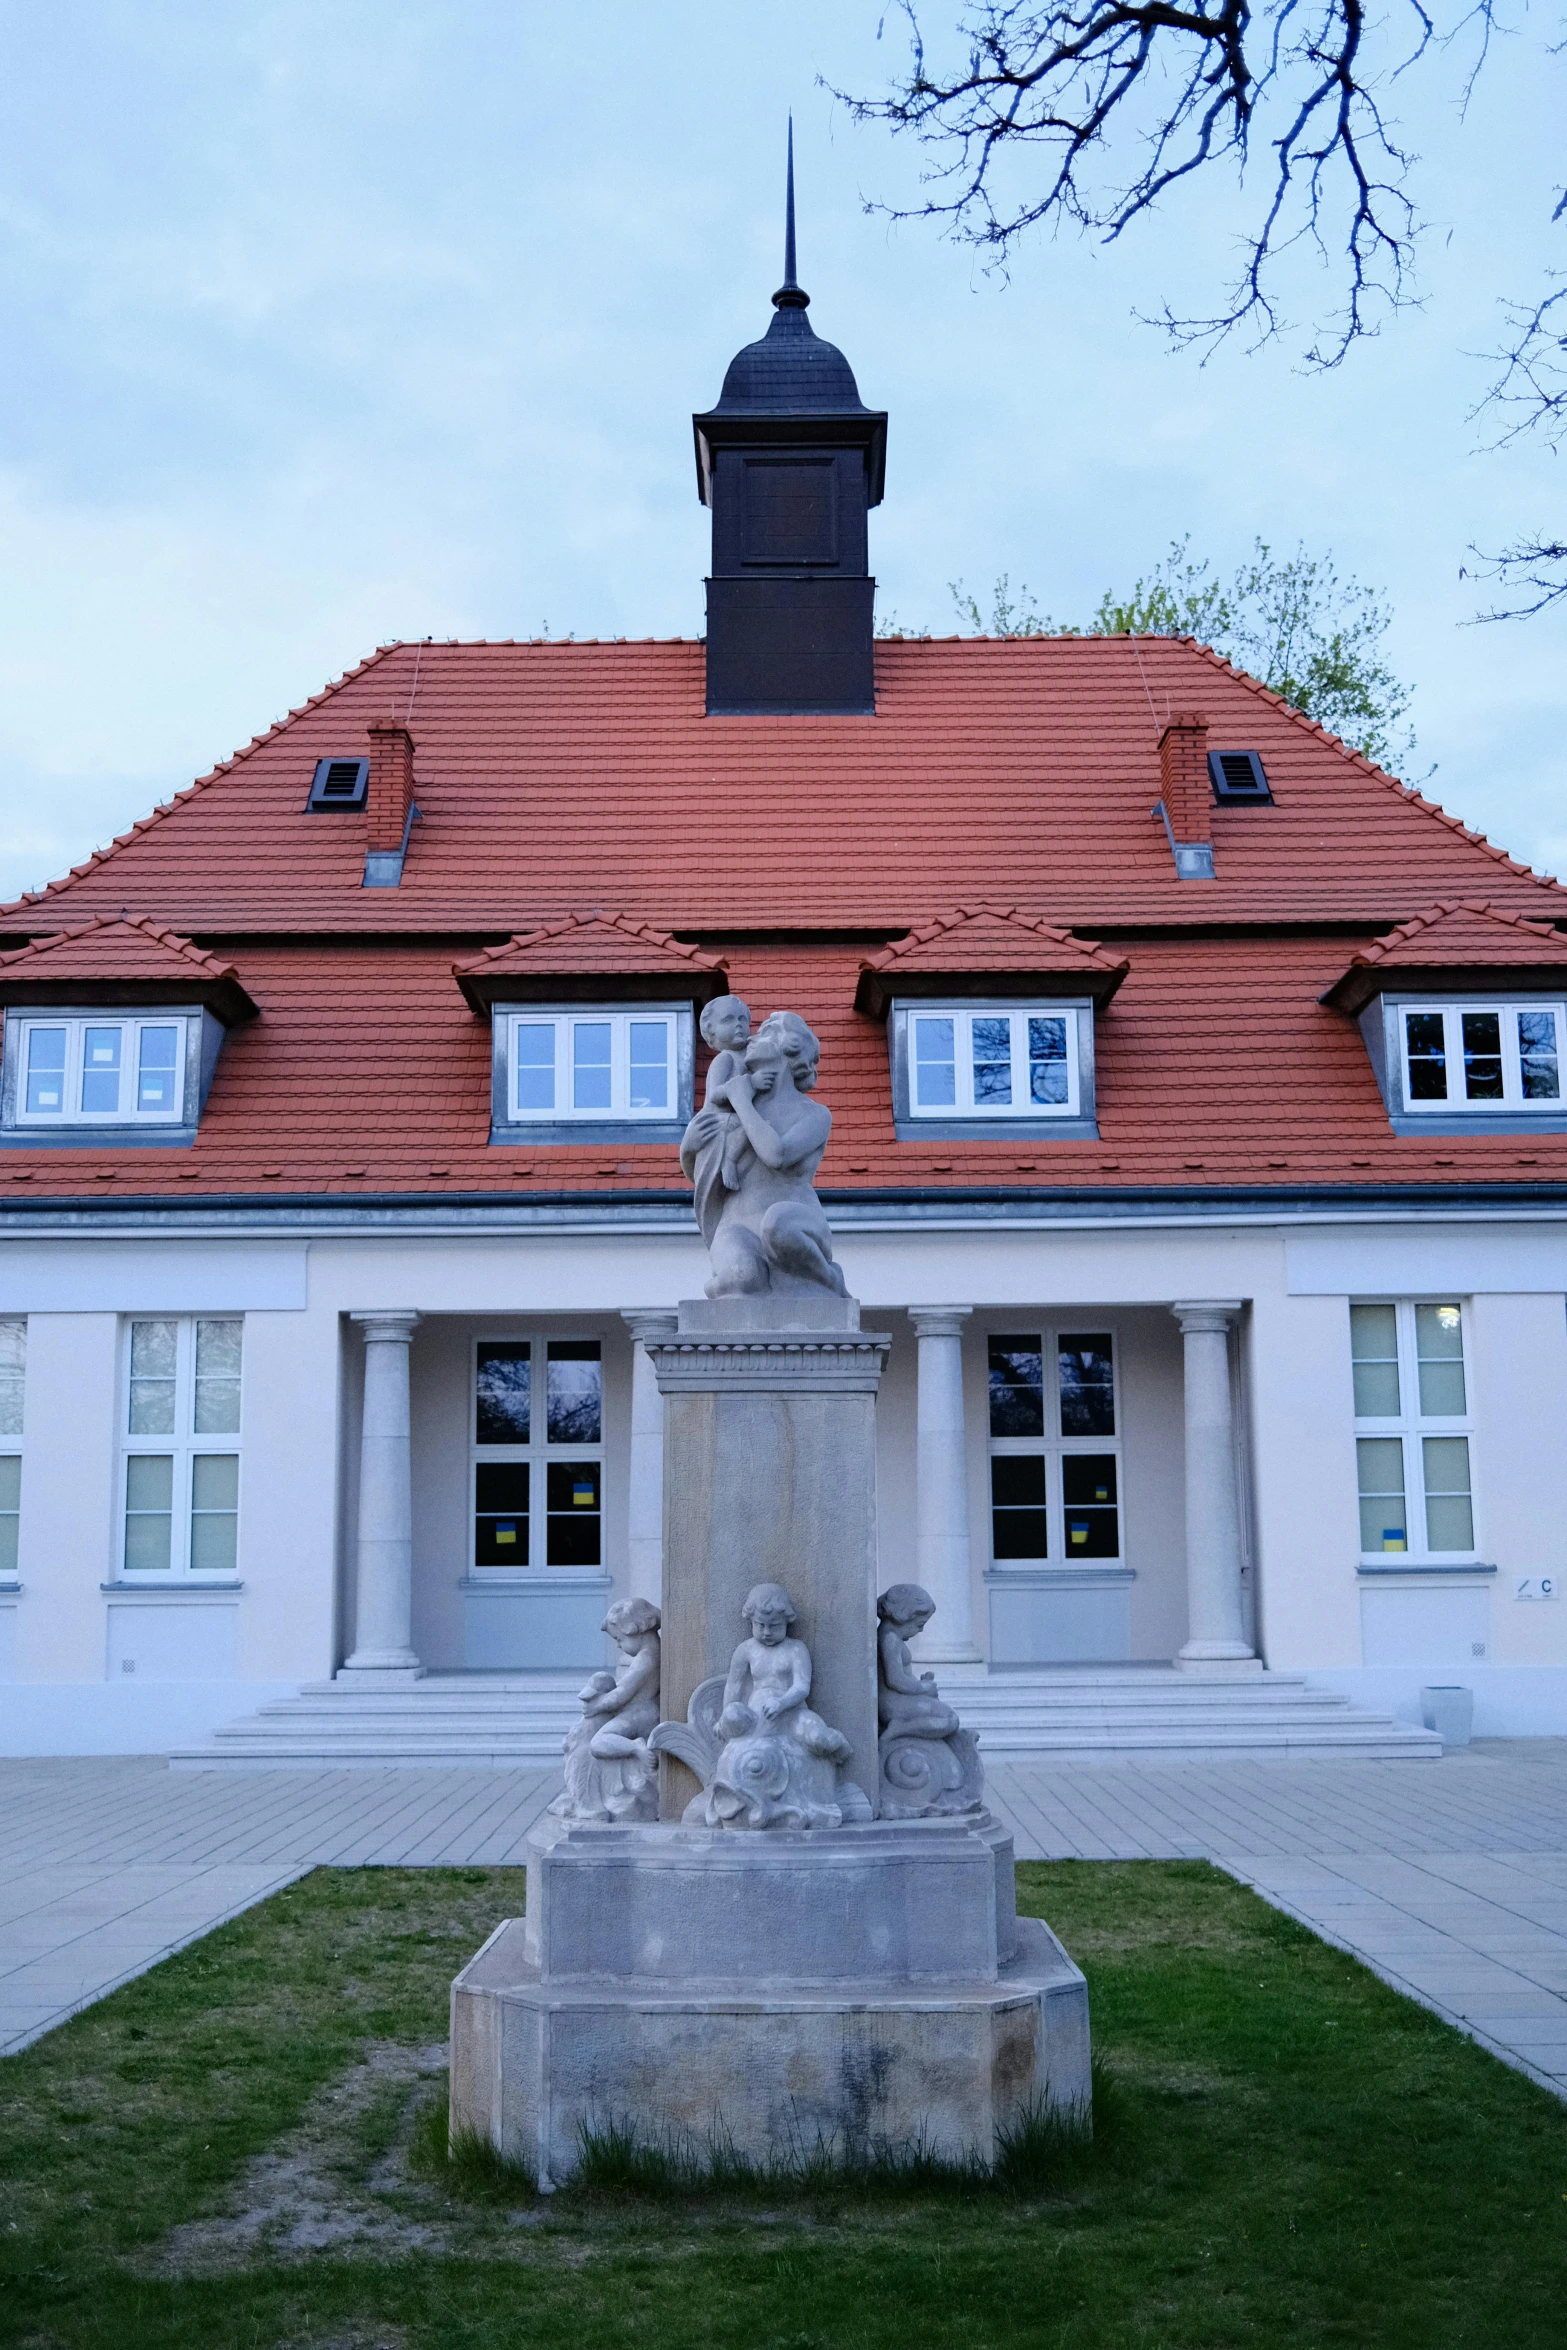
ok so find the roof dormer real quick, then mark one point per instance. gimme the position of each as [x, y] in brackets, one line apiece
[1464, 1015]
[112, 1035]
[593, 1021]
[990, 1026]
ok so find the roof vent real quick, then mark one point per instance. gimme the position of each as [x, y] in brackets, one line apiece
[1237, 775]
[339, 783]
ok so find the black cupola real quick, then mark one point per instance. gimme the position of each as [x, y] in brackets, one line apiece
[790, 461]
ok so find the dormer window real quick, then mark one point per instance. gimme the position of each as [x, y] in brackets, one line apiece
[590, 1072]
[992, 1068]
[98, 1069]
[1481, 1057]
[993, 1064]
[593, 1065]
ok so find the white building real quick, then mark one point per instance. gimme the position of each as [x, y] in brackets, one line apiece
[1206, 1167]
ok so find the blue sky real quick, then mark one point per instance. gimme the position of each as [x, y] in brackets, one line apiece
[330, 321]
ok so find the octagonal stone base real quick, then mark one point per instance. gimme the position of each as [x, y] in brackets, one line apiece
[895, 2000]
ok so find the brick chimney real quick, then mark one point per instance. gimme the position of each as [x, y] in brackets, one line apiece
[391, 790]
[1185, 791]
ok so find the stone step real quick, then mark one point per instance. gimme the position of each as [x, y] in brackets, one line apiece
[1025, 1713]
[1168, 1699]
[1363, 1739]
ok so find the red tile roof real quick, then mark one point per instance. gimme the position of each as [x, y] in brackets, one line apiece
[116, 951]
[1448, 944]
[980, 941]
[590, 948]
[552, 777]
[1014, 779]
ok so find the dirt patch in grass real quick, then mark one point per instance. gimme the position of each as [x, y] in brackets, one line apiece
[337, 2182]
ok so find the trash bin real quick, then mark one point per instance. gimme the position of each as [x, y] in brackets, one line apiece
[1450, 1711]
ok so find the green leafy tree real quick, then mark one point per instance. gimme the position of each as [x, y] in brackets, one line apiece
[1313, 637]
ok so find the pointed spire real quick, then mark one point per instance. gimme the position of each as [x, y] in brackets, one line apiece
[790, 296]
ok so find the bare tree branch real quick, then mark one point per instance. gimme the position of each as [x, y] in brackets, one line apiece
[1531, 390]
[1532, 569]
[1530, 396]
[1177, 88]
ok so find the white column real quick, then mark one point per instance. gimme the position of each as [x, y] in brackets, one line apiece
[645, 1509]
[941, 1486]
[1215, 1621]
[383, 1644]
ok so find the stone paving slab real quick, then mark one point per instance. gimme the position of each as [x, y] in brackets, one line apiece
[1449, 1881]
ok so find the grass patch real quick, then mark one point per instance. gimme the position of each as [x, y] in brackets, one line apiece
[248, 2146]
[1042, 2153]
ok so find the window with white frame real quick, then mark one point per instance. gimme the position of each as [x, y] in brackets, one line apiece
[538, 1454]
[181, 1446]
[987, 1063]
[1412, 1430]
[125, 1069]
[1480, 1057]
[13, 1371]
[593, 1065]
[1055, 1459]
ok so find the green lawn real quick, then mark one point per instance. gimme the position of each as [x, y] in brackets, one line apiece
[228, 2153]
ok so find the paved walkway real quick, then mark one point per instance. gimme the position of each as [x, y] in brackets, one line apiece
[1449, 1879]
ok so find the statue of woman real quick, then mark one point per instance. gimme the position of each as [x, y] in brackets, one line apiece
[768, 1232]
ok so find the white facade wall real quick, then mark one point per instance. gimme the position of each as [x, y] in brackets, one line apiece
[292, 1620]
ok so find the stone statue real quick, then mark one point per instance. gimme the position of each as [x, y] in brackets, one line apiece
[715, 1163]
[759, 1214]
[764, 1758]
[610, 1772]
[929, 1763]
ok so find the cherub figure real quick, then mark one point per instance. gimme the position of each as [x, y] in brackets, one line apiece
[610, 1772]
[767, 1761]
[929, 1762]
[770, 1680]
[906, 1701]
[726, 1027]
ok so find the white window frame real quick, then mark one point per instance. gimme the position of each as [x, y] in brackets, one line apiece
[538, 1453]
[563, 1020]
[1054, 1447]
[11, 1444]
[1512, 1103]
[184, 1447]
[1410, 1426]
[24, 1026]
[963, 1016]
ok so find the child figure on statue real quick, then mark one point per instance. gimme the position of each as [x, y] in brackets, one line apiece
[770, 1680]
[726, 1026]
[610, 1772]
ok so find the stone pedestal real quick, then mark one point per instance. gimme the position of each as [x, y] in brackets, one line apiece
[777, 1990]
[770, 1476]
[845, 1989]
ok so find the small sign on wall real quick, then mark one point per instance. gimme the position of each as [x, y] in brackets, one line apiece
[1536, 1586]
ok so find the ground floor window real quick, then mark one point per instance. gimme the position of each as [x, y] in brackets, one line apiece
[181, 1422]
[1055, 1458]
[538, 1453]
[1412, 1429]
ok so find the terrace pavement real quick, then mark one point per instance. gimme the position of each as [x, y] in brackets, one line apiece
[1448, 1879]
